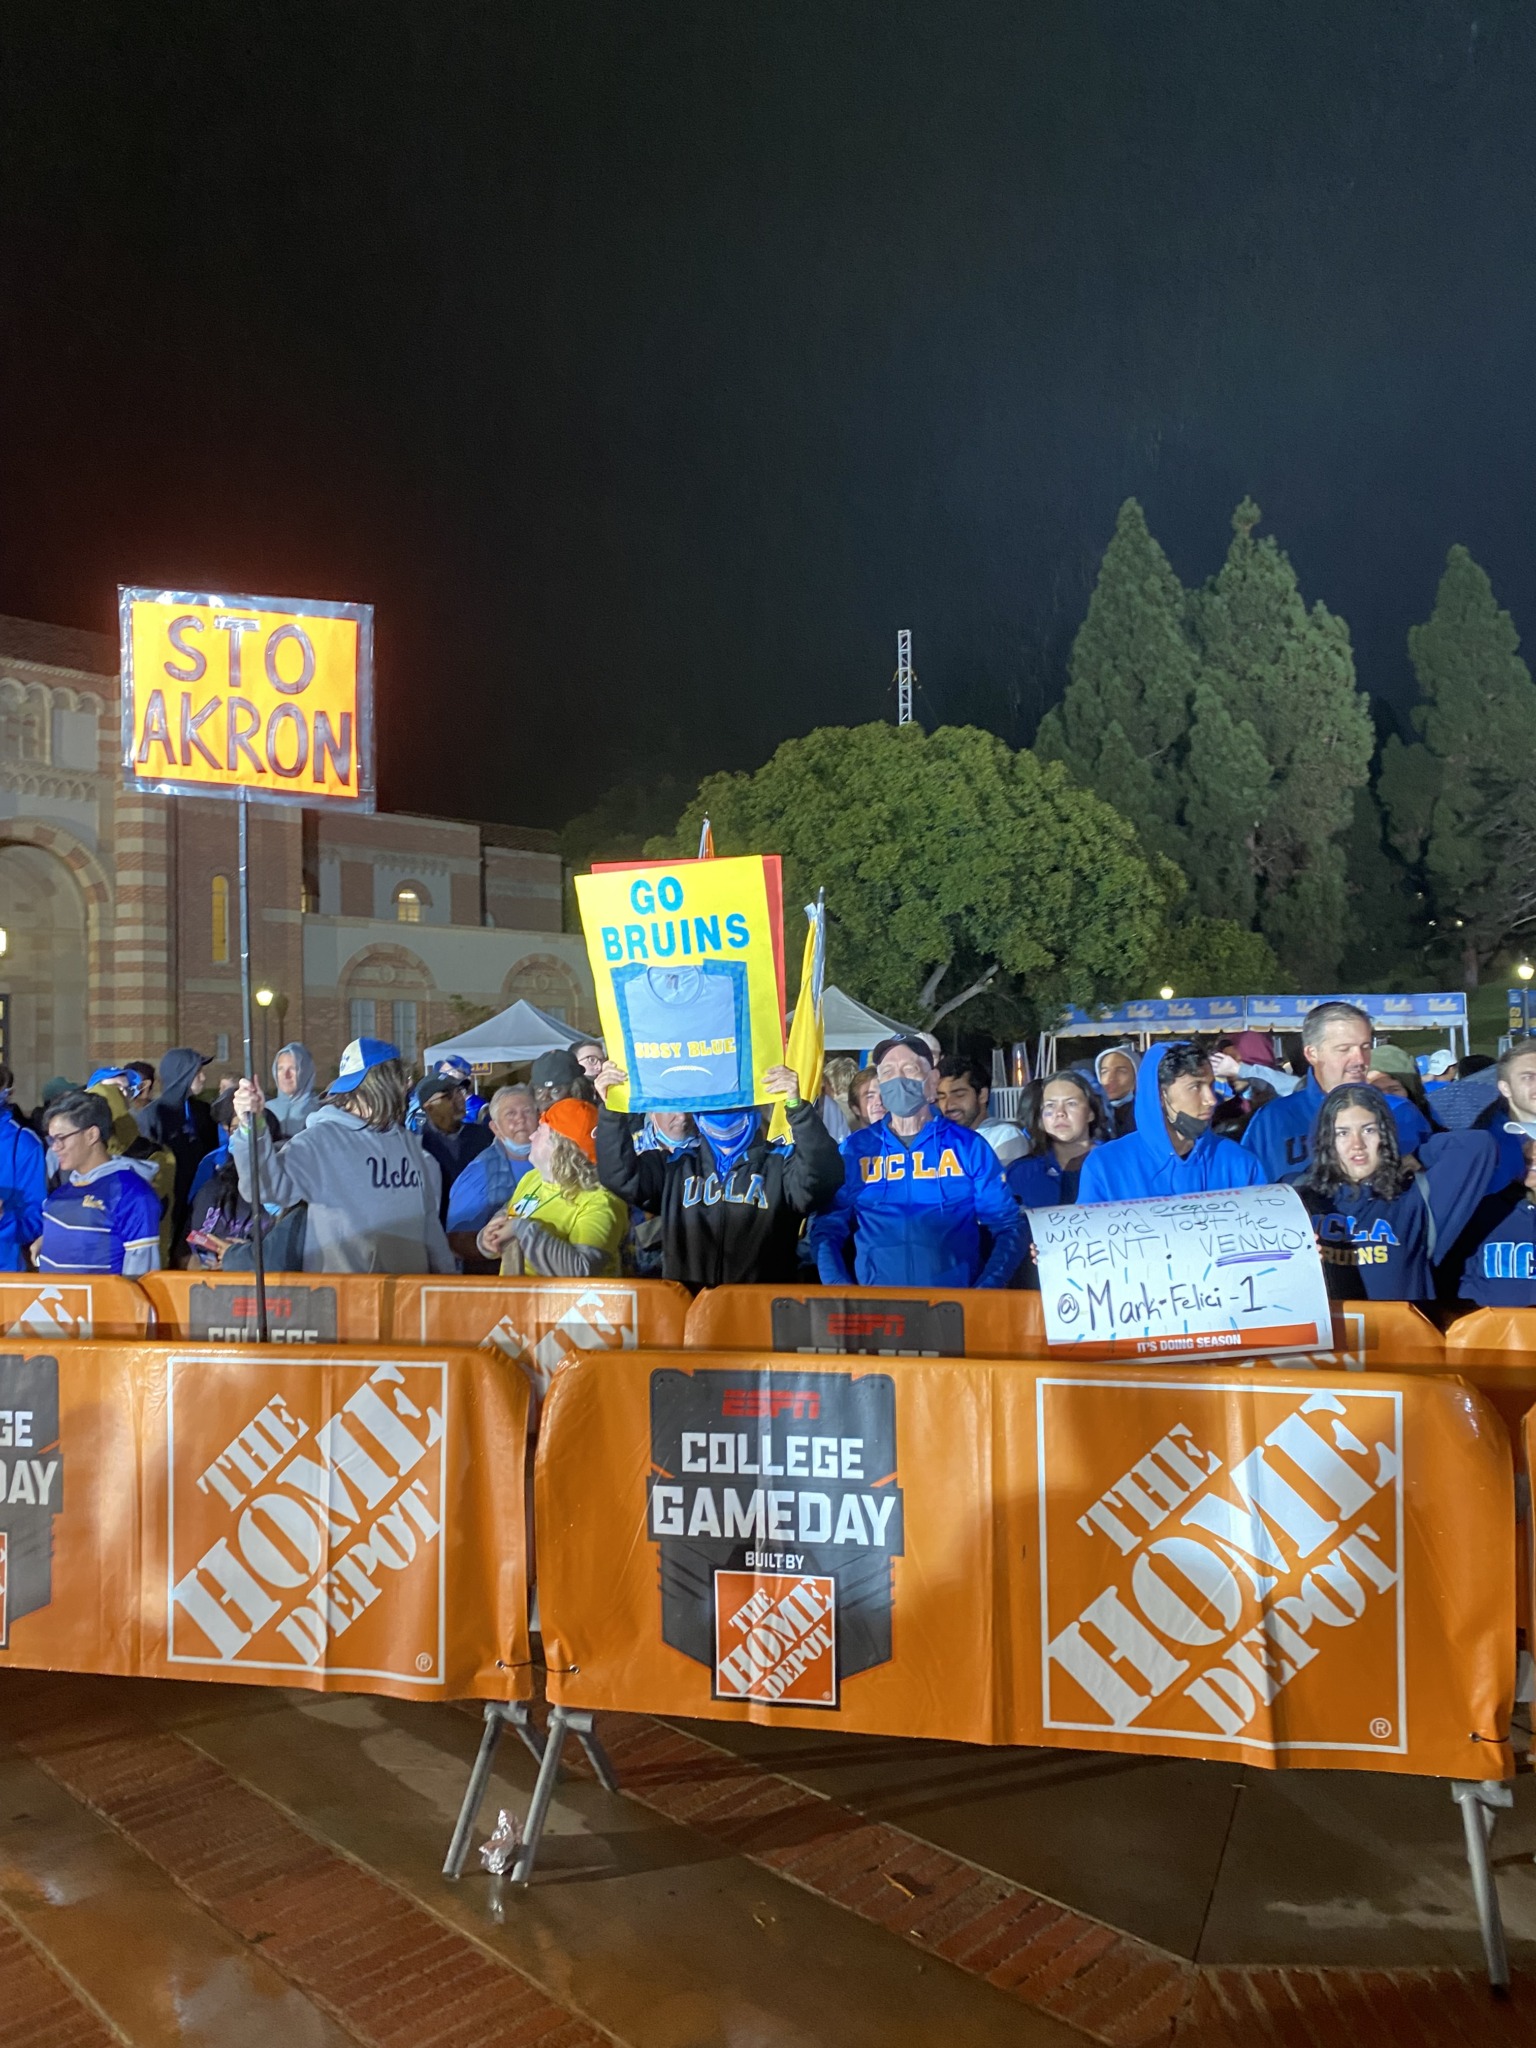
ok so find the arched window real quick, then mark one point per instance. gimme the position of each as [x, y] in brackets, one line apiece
[408, 904]
[220, 915]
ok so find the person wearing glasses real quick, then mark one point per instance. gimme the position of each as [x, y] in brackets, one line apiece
[104, 1215]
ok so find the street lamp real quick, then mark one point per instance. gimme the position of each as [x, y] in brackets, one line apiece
[1525, 970]
[264, 998]
[1166, 993]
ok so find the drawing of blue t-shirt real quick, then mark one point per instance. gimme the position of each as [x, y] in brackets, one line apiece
[685, 1037]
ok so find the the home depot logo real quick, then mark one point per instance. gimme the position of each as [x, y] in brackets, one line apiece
[539, 1330]
[1194, 1588]
[50, 1314]
[306, 1507]
[776, 1639]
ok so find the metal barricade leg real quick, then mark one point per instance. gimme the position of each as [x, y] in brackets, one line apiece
[543, 1792]
[1480, 1804]
[597, 1756]
[497, 1713]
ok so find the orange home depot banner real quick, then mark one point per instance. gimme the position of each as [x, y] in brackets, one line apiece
[345, 1521]
[46, 1308]
[1495, 1349]
[268, 695]
[537, 1323]
[1268, 1567]
[896, 1322]
[302, 1308]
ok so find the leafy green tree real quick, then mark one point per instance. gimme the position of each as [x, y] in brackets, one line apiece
[956, 870]
[1286, 679]
[1386, 926]
[1450, 796]
[1122, 727]
[1216, 956]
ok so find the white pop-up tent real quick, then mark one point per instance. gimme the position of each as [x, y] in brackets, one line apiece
[521, 1032]
[854, 1027]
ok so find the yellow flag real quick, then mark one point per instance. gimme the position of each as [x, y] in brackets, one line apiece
[807, 1034]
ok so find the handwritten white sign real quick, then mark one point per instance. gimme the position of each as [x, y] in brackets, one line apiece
[1229, 1272]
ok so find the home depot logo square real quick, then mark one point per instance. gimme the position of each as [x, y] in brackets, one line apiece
[1214, 1571]
[59, 1309]
[305, 1503]
[538, 1330]
[776, 1639]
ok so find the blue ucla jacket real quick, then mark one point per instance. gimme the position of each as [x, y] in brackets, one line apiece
[1379, 1249]
[107, 1221]
[23, 1184]
[1280, 1134]
[1144, 1163]
[1492, 1262]
[915, 1210]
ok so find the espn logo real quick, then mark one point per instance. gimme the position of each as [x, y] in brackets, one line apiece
[764, 1404]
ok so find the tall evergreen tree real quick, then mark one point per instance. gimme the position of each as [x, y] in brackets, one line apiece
[1286, 679]
[1447, 795]
[1121, 729]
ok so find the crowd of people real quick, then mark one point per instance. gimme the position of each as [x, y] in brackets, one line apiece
[1421, 1187]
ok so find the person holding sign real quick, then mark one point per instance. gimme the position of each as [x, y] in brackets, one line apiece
[918, 1192]
[1173, 1150]
[1383, 1222]
[731, 1203]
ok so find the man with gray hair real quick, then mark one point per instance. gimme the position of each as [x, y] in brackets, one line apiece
[485, 1186]
[1336, 1041]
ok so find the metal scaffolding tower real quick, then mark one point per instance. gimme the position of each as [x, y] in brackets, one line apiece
[904, 676]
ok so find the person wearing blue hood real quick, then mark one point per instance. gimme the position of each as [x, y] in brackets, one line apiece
[918, 1193]
[1336, 1041]
[1492, 1263]
[731, 1202]
[1173, 1150]
[23, 1181]
[1383, 1224]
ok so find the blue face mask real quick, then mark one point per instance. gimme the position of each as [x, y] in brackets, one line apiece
[727, 1133]
[513, 1151]
[903, 1096]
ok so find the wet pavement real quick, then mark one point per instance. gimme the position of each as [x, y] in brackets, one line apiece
[241, 1866]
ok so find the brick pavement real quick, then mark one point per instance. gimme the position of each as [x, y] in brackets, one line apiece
[394, 1976]
[1114, 1987]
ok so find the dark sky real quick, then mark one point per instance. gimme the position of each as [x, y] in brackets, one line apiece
[648, 366]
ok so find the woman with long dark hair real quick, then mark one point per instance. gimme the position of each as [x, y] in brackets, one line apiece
[1065, 1116]
[1382, 1221]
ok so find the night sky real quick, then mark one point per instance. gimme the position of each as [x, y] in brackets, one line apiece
[648, 366]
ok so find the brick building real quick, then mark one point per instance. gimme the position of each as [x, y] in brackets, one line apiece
[119, 910]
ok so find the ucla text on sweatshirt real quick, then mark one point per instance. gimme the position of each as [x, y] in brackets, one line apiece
[916, 1208]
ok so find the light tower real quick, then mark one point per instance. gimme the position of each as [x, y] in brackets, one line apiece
[904, 676]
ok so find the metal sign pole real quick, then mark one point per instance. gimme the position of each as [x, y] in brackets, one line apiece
[257, 1249]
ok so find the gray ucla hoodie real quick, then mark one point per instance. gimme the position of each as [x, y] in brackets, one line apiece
[372, 1195]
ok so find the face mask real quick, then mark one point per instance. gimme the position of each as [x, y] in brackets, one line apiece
[1192, 1127]
[902, 1096]
[513, 1151]
[728, 1133]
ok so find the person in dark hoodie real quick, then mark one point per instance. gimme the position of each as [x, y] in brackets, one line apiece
[1115, 1070]
[1173, 1150]
[1383, 1222]
[296, 1098]
[180, 1123]
[731, 1203]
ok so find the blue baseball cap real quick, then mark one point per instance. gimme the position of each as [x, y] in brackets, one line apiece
[361, 1057]
[116, 1076]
